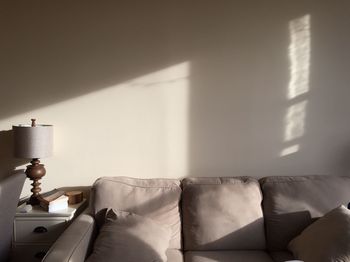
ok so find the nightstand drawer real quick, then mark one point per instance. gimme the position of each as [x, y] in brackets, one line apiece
[29, 253]
[38, 231]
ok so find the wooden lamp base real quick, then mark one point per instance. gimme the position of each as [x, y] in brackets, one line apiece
[35, 172]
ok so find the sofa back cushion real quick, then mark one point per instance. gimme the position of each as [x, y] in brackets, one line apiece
[222, 214]
[157, 199]
[292, 203]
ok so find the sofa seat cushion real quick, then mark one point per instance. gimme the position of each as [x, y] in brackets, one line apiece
[157, 199]
[227, 256]
[174, 255]
[222, 214]
[293, 203]
[281, 256]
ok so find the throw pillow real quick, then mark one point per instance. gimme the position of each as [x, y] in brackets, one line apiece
[130, 237]
[327, 239]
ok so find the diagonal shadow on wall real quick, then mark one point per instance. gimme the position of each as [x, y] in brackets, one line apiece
[238, 50]
[7, 162]
[52, 52]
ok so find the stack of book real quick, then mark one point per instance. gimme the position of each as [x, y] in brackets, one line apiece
[53, 201]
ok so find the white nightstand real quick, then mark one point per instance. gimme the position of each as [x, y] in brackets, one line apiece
[34, 232]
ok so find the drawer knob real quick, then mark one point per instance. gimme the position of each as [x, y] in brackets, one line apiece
[40, 229]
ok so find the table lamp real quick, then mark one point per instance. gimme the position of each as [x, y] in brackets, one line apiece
[33, 142]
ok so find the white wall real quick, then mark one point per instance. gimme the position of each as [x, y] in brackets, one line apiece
[187, 88]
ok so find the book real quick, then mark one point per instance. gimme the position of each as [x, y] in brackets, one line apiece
[56, 204]
[50, 196]
[53, 194]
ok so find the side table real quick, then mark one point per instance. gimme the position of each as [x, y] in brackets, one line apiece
[34, 232]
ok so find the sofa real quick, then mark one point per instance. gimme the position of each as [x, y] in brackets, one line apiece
[212, 219]
[10, 190]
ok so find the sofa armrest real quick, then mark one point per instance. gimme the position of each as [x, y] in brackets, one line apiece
[75, 242]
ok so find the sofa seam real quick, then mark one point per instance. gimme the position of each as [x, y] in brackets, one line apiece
[127, 184]
[298, 179]
[217, 184]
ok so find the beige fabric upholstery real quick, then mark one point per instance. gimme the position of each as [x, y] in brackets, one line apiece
[327, 239]
[10, 190]
[75, 242]
[281, 256]
[222, 214]
[292, 203]
[132, 238]
[174, 255]
[227, 256]
[215, 213]
[157, 199]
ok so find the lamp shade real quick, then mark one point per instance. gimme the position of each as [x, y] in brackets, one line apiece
[33, 141]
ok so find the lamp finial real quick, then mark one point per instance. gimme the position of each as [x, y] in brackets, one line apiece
[33, 122]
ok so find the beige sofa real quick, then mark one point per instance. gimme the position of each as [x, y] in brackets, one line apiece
[10, 190]
[224, 219]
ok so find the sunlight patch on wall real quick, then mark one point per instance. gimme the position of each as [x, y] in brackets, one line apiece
[295, 121]
[172, 84]
[299, 58]
[137, 128]
[290, 150]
